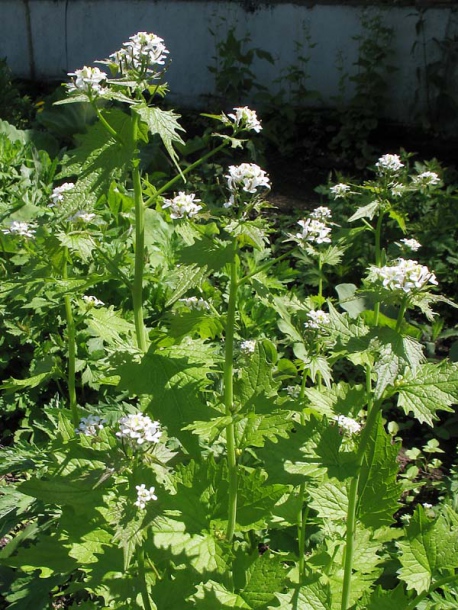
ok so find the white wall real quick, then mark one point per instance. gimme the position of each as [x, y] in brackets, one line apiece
[67, 34]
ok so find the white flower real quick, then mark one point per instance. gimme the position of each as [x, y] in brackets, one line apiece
[139, 428]
[90, 425]
[294, 391]
[426, 179]
[246, 118]
[82, 216]
[314, 231]
[412, 244]
[92, 301]
[405, 275]
[347, 424]
[195, 303]
[317, 319]
[322, 213]
[247, 176]
[339, 190]
[144, 495]
[427, 505]
[23, 229]
[389, 164]
[140, 53]
[57, 196]
[247, 347]
[397, 189]
[182, 206]
[87, 80]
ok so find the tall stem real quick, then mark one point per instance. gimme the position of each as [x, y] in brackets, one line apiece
[373, 409]
[378, 259]
[142, 574]
[71, 344]
[229, 397]
[137, 288]
[302, 513]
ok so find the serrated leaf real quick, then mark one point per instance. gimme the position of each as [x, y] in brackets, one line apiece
[378, 489]
[352, 304]
[330, 500]
[395, 354]
[429, 548]
[339, 399]
[312, 596]
[92, 544]
[367, 211]
[264, 577]
[48, 555]
[76, 491]
[253, 430]
[108, 325]
[77, 242]
[99, 158]
[212, 595]
[256, 376]
[183, 279]
[165, 124]
[434, 387]
[381, 599]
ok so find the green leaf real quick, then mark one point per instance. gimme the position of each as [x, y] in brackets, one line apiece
[99, 158]
[381, 599]
[352, 304]
[92, 544]
[212, 595]
[202, 550]
[74, 491]
[396, 353]
[330, 500]
[165, 124]
[367, 211]
[256, 500]
[79, 243]
[430, 547]
[175, 377]
[313, 596]
[255, 378]
[432, 388]
[252, 430]
[339, 399]
[378, 489]
[108, 325]
[183, 279]
[264, 577]
[48, 555]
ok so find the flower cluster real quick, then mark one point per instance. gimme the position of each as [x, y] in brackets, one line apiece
[246, 119]
[411, 244]
[425, 179]
[139, 54]
[92, 301]
[139, 429]
[87, 80]
[90, 425]
[82, 216]
[195, 303]
[397, 189]
[347, 424]
[23, 229]
[317, 318]
[405, 275]
[182, 206]
[248, 177]
[248, 347]
[144, 495]
[322, 213]
[314, 231]
[339, 190]
[57, 196]
[389, 164]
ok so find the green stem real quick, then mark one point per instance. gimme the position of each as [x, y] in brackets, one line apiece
[437, 585]
[378, 260]
[137, 288]
[320, 280]
[373, 409]
[184, 172]
[402, 310]
[302, 512]
[229, 397]
[71, 342]
[107, 125]
[142, 577]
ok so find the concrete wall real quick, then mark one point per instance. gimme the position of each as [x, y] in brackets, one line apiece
[45, 39]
